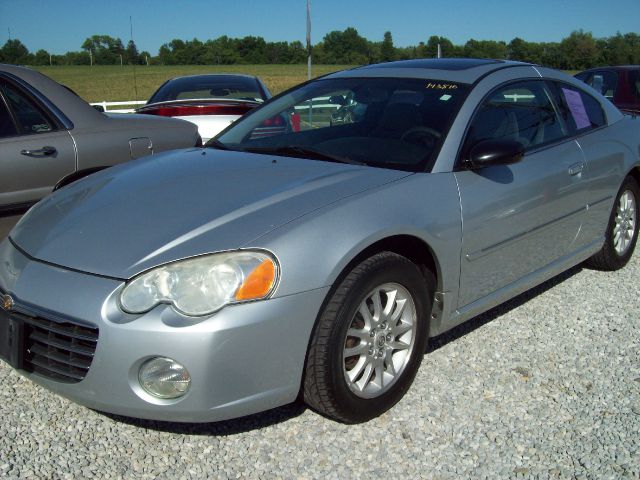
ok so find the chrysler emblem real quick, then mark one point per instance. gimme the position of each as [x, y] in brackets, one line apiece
[7, 303]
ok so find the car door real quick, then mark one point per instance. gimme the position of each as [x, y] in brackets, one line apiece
[586, 118]
[521, 217]
[35, 150]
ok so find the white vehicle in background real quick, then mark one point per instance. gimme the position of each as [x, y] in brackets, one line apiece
[211, 101]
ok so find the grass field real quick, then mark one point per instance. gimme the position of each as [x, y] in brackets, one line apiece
[113, 83]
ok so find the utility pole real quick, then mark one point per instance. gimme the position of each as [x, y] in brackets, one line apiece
[50, 62]
[90, 58]
[120, 59]
[308, 39]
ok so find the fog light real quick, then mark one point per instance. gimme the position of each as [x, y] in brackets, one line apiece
[164, 378]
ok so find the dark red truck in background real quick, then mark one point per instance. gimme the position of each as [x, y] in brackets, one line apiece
[619, 84]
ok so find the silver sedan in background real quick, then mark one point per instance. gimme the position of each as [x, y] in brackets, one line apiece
[319, 259]
[50, 137]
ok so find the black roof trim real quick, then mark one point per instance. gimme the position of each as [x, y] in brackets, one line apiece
[611, 67]
[503, 67]
[437, 63]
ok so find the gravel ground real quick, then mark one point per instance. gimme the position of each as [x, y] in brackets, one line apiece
[546, 386]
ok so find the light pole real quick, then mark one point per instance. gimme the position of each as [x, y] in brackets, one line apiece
[308, 39]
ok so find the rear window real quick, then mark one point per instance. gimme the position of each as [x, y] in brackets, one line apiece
[226, 87]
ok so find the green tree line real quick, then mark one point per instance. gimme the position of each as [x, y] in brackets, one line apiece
[578, 51]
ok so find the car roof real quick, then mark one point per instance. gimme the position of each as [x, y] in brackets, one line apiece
[613, 67]
[203, 75]
[461, 70]
[53, 94]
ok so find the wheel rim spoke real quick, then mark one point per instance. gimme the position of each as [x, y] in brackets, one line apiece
[356, 351]
[401, 328]
[363, 334]
[366, 316]
[398, 311]
[366, 376]
[378, 381]
[355, 372]
[388, 361]
[391, 303]
[398, 345]
[377, 306]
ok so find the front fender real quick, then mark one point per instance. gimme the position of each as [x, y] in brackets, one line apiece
[313, 250]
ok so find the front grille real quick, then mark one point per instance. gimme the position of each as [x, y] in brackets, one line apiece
[61, 351]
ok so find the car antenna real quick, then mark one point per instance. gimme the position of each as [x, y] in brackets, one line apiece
[135, 83]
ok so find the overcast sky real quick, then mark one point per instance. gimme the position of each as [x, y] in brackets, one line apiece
[62, 25]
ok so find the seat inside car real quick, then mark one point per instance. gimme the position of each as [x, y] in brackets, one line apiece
[397, 119]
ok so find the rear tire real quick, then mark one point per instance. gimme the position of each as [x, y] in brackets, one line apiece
[622, 230]
[369, 340]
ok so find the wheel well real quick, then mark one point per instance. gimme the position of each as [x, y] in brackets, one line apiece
[413, 248]
[76, 176]
[408, 246]
[635, 173]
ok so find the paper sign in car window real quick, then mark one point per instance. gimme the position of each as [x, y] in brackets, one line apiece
[576, 107]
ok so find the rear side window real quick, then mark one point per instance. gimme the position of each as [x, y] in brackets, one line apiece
[31, 119]
[520, 111]
[580, 111]
[7, 127]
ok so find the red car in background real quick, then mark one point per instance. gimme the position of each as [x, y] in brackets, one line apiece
[620, 84]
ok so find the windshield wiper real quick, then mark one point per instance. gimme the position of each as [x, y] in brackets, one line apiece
[302, 151]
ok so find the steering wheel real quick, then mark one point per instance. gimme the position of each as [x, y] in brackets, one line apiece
[421, 135]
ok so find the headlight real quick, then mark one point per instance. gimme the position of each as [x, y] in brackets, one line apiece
[202, 285]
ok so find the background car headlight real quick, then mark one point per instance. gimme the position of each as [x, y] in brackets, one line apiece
[202, 285]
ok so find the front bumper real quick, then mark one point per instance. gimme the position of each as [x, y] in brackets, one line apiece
[243, 359]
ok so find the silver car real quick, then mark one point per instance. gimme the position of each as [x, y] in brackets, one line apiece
[50, 137]
[318, 260]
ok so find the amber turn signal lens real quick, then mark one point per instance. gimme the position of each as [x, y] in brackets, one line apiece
[258, 283]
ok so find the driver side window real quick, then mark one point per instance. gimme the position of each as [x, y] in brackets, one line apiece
[522, 112]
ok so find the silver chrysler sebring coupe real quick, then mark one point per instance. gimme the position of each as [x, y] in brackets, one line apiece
[318, 258]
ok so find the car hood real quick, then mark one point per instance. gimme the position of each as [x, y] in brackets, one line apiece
[126, 219]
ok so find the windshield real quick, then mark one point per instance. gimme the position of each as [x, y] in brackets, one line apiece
[382, 122]
[227, 87]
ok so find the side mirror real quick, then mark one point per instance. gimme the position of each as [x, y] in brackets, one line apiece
[99, 108]
[337, 100]
[495, 152]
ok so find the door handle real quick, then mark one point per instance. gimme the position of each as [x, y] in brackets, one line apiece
[576, 168]
[40, 152]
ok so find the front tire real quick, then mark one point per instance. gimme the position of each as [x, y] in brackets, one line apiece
[622, 230]
[369, 340]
